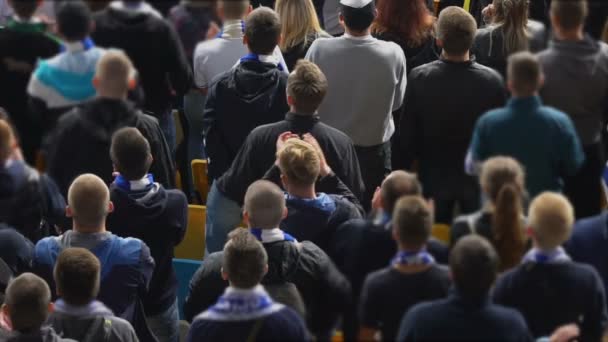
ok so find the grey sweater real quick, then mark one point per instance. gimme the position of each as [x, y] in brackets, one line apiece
[576, 82]
[367, 79]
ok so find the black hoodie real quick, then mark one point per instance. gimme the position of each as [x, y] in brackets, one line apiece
[250, 95]
[80, 143]
[159, 218]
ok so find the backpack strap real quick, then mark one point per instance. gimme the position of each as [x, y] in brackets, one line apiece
[99, 330]
[472, 220]
[255, 330]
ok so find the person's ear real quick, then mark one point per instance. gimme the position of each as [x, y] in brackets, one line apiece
[439, 42]
[224, 274]
[5, 310]
[51, 307]
[246, 217]
[250, 9]
[95, 82]
[280, 39]
[92, 26]
[220, 12]
[132, 83]
[265, 269]
[245, 40]
[285, 182]
[150, 158]
[68, 212]
[285, 212]
[110, 207]
[541, 80]
[290, 100]
[341, 20]
[530, 232]
[510, 86]
[375, 13]
[395, 233]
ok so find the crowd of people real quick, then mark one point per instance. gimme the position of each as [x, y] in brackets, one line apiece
[340, 135]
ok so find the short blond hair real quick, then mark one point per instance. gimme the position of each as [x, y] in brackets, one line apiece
[115, 71]
[264, 204]
[299, 162]
[551, 218]
[456, 28]
[234, 9]
[88, 198]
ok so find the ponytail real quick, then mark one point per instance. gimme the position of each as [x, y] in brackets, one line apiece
[513, 23]
[507, 227]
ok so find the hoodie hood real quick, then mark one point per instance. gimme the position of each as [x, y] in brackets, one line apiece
[283, 260]
[148, 204]
[102, 117]
[256, 83]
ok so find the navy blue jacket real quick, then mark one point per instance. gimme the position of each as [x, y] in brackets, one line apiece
[159, 218]
[588, 244]
[126, 269]
[550, 295]
[459, 318]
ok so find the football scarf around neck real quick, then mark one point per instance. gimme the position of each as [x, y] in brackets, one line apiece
[145, 183]
[269, 59]
[555, 256]
[242, 305]
[229, 27]
[271, 235]
[420, 258]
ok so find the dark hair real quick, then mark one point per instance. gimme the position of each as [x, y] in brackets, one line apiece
[130, 153]
[28, 297]
[570, 14]
[473, 263]
[24, 8]
[307, 86]
[456, 28]
[263, 30]
[398, 184]
[74, 20]
[410, 20]
[77, 276]
[245, 259]
[413, 220]
[359, 19]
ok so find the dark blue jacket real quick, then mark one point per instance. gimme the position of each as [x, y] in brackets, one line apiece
[159, 218]
[550, 295]
[588, 244]
[459, 318]
[126, 269]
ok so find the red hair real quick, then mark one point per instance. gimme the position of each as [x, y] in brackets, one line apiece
[410, 19]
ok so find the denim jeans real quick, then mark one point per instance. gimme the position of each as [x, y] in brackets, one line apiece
[223, 215]
[165, 326]
[194, 105]
[166, 122]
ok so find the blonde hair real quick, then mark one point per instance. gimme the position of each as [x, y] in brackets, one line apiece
[115, 71]
[88, 198]
[298, 20]
[299, 162]
[551, 218]
[7, 141]
[512, 18]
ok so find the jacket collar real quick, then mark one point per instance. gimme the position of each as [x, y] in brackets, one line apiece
[94, 308]
[524, 103]
[588, 44]
[456, 298]
[291, 116]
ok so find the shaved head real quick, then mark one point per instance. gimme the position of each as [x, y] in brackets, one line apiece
[264, 205]
[114, 72]
[396, 185]
[88, 200]
[7, 140]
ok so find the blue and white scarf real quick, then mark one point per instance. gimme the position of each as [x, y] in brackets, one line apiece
[231, 26]
[271, 235]
[146, 183]
[322, 202]
[269, 59]
[242, 305]
[555, 256]
[84, 45]
[404, 258]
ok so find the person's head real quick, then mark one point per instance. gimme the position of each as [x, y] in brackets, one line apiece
[306, 87]
[456, 30]
[300, 165]
[298, 20]
[89, 203]
[262, 31]
[76, 276]
[264, 206]
[503, 181]
[411, 20]
[568, 16]
[74, 20]
[357, 16]
[233, 9]
[412, 222]
[245, 260]
[130, 153]
[114, 75]
[7, 141]
[551, 217]
[27, 302]
[511, 16]
[395, 185]
[524, 74]
[24, 9]
[473, 263]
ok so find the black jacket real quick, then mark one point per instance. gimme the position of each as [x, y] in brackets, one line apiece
[81, 142]
[156, 52]
[20, 49]
[258, 154]
[29, 202]
[250, 95]
[438, 133]
[44, 335]
[415, 56]
[16, 251]
[324, 289]
[159, 218]
[318, 219]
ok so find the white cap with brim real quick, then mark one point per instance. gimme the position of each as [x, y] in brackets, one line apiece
[355, 3]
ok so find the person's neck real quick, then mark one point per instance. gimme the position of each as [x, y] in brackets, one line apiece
[410, 249]
[295, 110]
[88, 229]
[303, 192]
[363, 33]
[575, 35]
[543, 250]
[521, 96]
[111, 96]
[456, 58]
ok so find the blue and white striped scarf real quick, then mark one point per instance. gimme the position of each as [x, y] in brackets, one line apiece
[271, 235]
[405, 258]
[555, 256]
[242, 305]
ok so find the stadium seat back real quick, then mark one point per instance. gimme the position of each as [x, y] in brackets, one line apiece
[193, 246]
